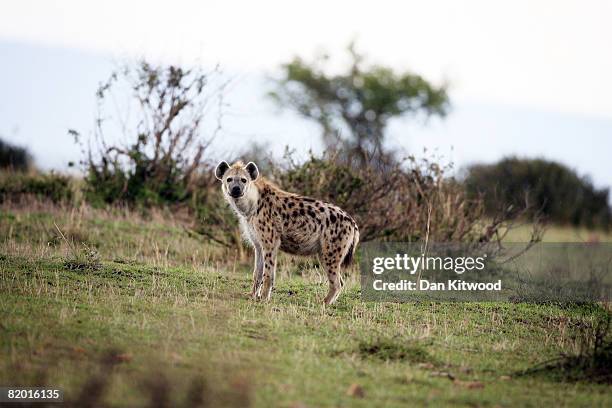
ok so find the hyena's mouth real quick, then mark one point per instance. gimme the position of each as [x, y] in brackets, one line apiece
[236, 195]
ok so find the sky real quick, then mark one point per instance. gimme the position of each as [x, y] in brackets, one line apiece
[529, 78]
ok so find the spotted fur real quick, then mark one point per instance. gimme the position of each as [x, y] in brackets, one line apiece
[272, 219]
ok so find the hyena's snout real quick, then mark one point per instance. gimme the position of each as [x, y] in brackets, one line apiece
[236, 191]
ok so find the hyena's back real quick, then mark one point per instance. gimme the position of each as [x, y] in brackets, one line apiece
[307, 226]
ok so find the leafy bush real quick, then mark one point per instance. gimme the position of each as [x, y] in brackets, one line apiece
[552, 188]
[14, 157]
[55, 187]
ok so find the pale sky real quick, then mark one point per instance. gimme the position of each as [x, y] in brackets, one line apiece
[551, 54]
[526, 77]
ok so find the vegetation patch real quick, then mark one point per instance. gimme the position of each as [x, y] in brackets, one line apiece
[55, 187]
[82, 258]
[87, 262]
[595, 367]
[392, 350]
[592, 364]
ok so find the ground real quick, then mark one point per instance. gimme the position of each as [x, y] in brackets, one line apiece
[148, 312]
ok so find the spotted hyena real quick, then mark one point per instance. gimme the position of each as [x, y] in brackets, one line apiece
[273, 219]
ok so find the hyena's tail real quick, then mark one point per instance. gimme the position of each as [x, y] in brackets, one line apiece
[348, 258]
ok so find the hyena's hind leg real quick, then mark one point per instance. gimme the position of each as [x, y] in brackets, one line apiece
[335, 282]
[334, 249]
[331, 259]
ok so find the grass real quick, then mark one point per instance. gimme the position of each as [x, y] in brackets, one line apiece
[557, 233]
[158, 318]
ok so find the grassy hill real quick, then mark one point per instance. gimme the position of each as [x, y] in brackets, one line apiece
[145, 314]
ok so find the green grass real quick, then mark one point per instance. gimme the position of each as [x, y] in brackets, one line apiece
[557, 233]
[166, 317]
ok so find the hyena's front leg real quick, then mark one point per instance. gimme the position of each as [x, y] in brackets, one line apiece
[269, 271]
[258, 272]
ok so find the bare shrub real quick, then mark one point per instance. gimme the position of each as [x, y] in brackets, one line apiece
[401, 200]
[160, 161]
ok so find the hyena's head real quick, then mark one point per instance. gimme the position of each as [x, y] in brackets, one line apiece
[237, 178]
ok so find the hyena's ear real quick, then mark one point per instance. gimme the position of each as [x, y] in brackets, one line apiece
[253, 170]
[221, 169]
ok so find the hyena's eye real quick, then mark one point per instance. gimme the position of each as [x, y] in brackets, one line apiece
[243, 180]
[229, 179]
